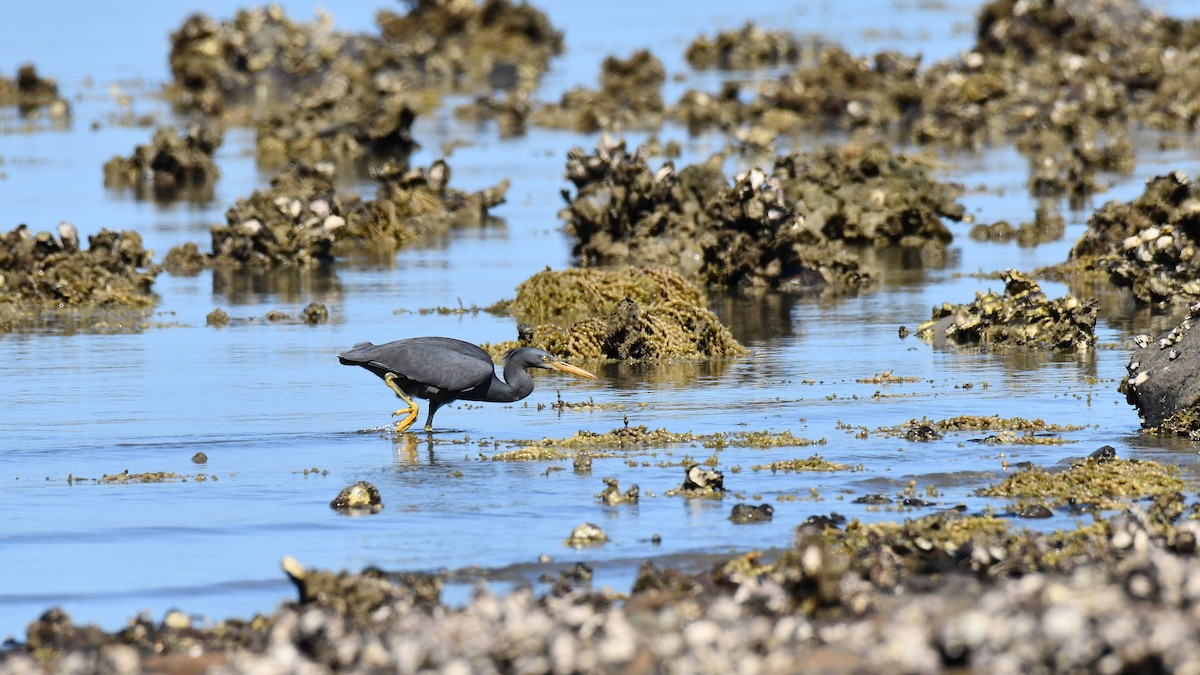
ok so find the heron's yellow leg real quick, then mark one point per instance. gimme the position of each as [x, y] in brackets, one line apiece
[410, 412]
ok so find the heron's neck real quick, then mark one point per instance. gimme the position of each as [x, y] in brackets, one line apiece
[517, 385]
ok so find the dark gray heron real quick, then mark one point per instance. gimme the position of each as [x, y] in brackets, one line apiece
[442, 370]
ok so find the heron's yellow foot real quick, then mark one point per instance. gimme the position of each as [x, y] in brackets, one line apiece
[411, 411]
[407, 421]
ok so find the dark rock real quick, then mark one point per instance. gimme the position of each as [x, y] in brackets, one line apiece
[748, 513]
[1163, 380]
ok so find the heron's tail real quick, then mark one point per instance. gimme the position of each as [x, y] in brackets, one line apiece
[356, 356]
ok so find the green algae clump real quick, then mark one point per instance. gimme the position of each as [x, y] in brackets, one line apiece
[1107, 483]
[622, 437]
[529, 454]
[1020, 317]
[628, 314]
[813, 463]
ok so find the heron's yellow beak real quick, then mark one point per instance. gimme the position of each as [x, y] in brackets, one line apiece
[572, 370]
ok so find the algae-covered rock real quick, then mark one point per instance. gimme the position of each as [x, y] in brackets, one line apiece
[586, 534]
[743, 49]
[612, 495]
[782, 229]
[374, 125]
[1149, 244]
[499, 43]
[1022, 317]
[511, 112]
[41, 273]
[30, 91]
[1108, 484]
[630, 96]
[1044, 227]
[627, 314]
[1163, 380]
[170, 166]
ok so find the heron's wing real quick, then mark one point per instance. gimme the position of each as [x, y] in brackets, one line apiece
[445, 363]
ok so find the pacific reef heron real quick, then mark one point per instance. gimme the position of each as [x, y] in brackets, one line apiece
[441, 370]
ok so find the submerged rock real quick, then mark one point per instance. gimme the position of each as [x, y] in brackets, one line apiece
[1163, 380]
[1022, 317]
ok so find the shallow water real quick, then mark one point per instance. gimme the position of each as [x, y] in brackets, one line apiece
[285, 427]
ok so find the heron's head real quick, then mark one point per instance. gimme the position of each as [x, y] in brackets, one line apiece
[532, 357]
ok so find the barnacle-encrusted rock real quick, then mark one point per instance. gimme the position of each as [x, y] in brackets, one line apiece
[1046, 226]
[700, 481]
[321, 125]
[630, 96]
[1022, 317]
[499, 43]
[626, 314]
[743, 49]
[941, 593]
[438, 43]
[361, 497]
[346, 95]
[1163, 379]
[302, 219]
[357, 598]
[29, 91]
[42, 273]
[587, 534]
[294, 221]
[418, 204]
[1149, 244]
[510, 112]
[170, 166]
[784, 229]
[1081, 72]
[612, 495]
[315, 313]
